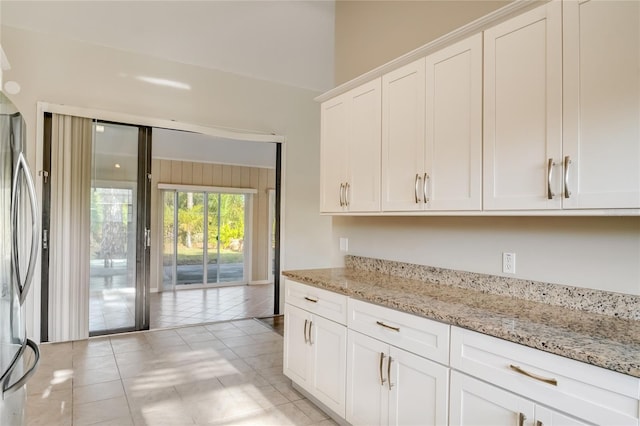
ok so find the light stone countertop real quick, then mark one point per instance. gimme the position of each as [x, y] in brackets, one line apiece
[596, 339]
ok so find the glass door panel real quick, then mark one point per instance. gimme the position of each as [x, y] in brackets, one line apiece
[213, 240]
[232, 217]
[190, 248]
[113, 228]
[168, 272]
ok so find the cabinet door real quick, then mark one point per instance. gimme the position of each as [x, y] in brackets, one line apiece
[602, 103]
[329, 363]
[478, 403]
[403, 117]
[548, 417]
[522, 109]
[454, 127]
[363, 169]
[367, 394]
[419, 390]
[297, 358]
[333, 153]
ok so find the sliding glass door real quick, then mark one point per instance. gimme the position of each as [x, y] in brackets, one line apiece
[119, 249]
[95, 264]
[204, 239]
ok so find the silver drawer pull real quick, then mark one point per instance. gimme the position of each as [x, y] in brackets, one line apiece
[306, 322]
[382, 380]
[310, 299]
[521, 419]
[550, 165]
[389, 372]
[380, 323]
[567, 163]
[517, 369]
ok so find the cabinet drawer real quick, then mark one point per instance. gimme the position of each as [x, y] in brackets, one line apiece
[324, 303]
[588, 392]
[424, 337]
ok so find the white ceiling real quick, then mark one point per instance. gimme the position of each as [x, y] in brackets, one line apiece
[289, 42]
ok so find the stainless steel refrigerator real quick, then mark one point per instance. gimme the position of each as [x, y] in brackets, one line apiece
[19, 240]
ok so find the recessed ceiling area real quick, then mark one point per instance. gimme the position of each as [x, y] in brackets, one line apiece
[288, 42]
[186, 146]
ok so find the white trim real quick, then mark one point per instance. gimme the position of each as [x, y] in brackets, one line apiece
[197, 188]
[139, 120]
[260, 282]
[491, 213]
[471, 28]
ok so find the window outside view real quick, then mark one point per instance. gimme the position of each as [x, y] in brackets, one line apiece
[203, 238]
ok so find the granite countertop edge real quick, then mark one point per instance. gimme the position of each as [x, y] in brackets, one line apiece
[595, 339]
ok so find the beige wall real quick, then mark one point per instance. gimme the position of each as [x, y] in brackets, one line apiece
[63, 71]
[222, 175]
[371, 33]
[600, 253]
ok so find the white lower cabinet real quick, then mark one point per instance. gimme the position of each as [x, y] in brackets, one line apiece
[474, 402]
[372, 365]
[477, 403]
[497, 382]
[315, 356]
[390, 386]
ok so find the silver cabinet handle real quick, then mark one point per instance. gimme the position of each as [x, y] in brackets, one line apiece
[550, 381]
[415, 189]
[389, 372]
[424, 188]
[382, 379]
[346, 194]
[567, 162]
[310, 325]
[341, 196]
[6, 389]
[521, 419]
[305, 330]
[380, 323]
[23, 286]
[550, 165]
[310, 299]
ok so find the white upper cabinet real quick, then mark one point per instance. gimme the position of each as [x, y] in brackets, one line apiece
[432, 131]
[523, 110]
[539, 114]
[403, 119]
[333, 158]
[601, 104]
[453, 156]
[350, 151]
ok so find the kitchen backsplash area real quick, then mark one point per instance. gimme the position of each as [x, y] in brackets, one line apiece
[619, 305]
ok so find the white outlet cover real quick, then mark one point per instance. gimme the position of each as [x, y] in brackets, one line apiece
[344, 244]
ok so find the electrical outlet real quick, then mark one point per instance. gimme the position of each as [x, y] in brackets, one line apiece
[344, 244]
[509, 263]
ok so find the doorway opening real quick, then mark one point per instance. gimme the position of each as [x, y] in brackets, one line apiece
[213, 216]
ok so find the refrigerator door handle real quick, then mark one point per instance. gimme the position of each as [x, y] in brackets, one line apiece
[23, 287]
[9, 389]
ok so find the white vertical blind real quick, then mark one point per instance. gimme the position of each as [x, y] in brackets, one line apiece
[71, 147]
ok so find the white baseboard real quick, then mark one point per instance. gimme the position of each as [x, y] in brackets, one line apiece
[260, 282]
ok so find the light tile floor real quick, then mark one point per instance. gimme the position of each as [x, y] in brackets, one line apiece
[113, 308]
[217, 374]
[185, 307]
